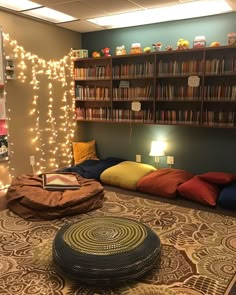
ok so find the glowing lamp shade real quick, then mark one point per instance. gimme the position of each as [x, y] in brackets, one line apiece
[157, 149]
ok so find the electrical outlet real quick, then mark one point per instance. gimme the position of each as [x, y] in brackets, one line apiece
[170, 160]
[138, 158]
[32, 160]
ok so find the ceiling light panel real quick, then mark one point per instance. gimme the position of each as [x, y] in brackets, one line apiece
[49, 3]
[165, 13]
[50, 15]
[19, 5]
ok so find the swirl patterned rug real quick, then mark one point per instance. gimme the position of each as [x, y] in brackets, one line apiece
[198, 251]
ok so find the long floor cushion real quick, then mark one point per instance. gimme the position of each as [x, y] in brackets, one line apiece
[126, 174]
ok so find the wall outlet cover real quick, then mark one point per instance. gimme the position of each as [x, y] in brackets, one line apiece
[170, 160]
[138, 158]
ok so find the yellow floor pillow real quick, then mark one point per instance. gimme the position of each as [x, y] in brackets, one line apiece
[126, 174]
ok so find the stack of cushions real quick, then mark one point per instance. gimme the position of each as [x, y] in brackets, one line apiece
[199, 190]
[126, 174]
[86, 162]
[210, 188]
[164, 182]
[93, 168]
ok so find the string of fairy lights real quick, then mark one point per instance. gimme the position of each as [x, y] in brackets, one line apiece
[51, 139]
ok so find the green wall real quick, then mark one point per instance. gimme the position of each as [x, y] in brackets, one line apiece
[196, 149]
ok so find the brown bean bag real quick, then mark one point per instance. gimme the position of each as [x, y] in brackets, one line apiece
[27, 198]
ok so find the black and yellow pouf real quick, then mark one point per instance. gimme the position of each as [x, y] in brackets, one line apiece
[105, 250]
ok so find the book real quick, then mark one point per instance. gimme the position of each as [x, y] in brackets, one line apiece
[60, 181]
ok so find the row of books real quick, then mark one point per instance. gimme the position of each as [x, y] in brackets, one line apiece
[94, 72]
[92, 93]
[178, 92]
[140, 93]
[219, 118]
[103, 93]
[164, 67]
[210, 118]
[178, 116]
[119, 115]
[125, 115]
[93, 113]
[220, 65]
[220, 92]
[144, 69]
[177, 67]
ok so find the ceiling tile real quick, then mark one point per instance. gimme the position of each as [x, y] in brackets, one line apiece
[81, 26]
[112, 7]
[78, 9]
[85, 9]
[155, 3]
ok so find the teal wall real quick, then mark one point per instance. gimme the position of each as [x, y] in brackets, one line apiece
[214, 28]
[196, 149]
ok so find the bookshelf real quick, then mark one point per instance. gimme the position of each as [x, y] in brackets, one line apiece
[3, 116]
[177, 101]
[133, 79]
[219, 97]
[194, 87]
[9, 68]
[93, 89]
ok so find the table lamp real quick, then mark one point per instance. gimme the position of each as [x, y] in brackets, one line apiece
[157, 150]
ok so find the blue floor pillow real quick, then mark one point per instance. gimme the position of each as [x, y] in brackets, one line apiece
[92, 169]
[227, 196]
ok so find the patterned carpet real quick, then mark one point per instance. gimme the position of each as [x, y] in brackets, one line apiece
[198, 251]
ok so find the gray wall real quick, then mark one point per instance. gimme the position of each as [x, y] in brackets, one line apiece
[195, 149]
[49, 42]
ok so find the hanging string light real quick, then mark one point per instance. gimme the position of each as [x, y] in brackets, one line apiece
[52, 142]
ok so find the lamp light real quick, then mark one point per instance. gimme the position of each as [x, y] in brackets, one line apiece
[157, 150]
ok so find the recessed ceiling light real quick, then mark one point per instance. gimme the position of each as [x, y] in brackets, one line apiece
[37, 10]
[19, 5]
[183, 10]
[50, 15]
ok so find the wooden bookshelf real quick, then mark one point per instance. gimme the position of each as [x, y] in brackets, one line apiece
[194, 87]
[4, 155]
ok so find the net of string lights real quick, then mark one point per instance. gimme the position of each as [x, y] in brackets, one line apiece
[51, 140]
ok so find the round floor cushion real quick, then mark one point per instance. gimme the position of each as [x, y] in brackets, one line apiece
[105, 250]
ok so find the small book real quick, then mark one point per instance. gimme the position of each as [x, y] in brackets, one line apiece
[60, 181]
